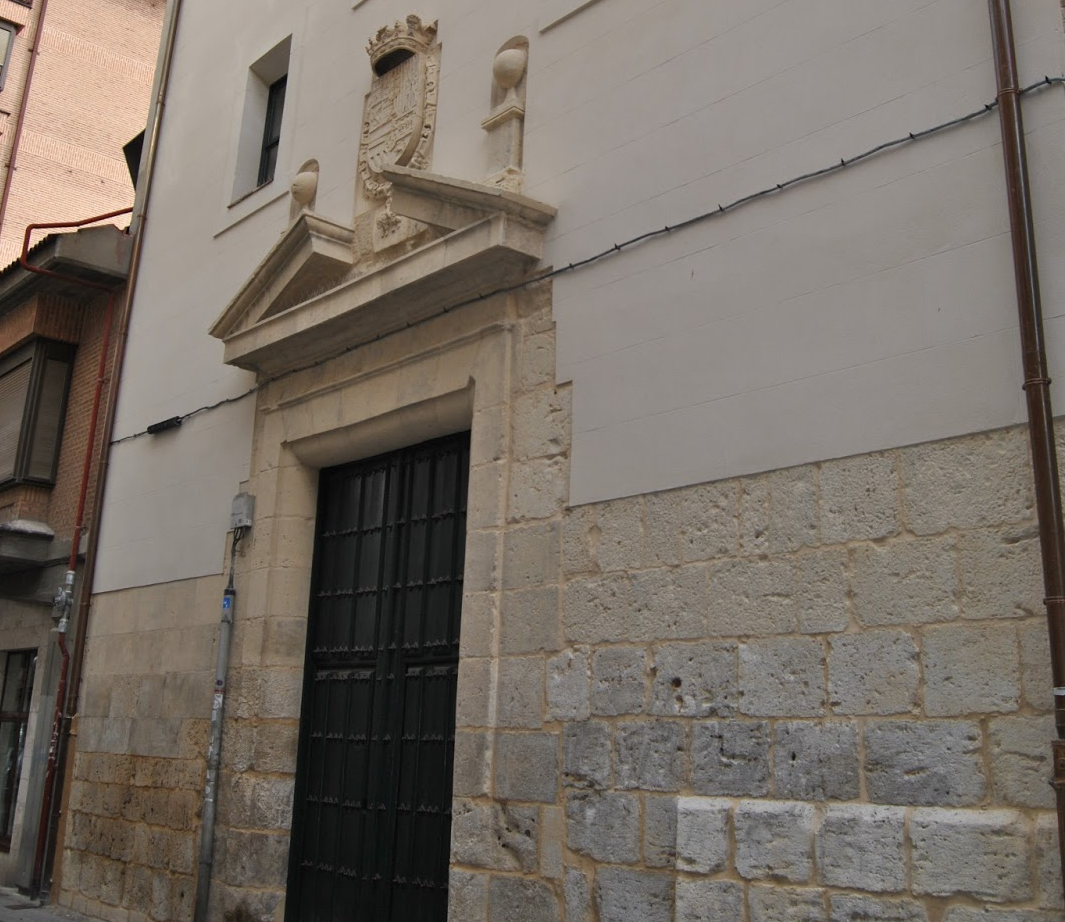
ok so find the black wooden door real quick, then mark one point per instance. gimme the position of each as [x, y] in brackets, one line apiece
[372, 818]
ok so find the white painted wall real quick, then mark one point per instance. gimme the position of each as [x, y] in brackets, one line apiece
[864, 310]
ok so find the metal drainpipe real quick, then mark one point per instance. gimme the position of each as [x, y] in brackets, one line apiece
[65, 596]
[1036, 378]
[145, 176]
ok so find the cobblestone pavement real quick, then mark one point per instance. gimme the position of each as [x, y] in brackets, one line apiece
[16, 908]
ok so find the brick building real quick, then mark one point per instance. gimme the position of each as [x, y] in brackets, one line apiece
[75, 82]
[644, 527]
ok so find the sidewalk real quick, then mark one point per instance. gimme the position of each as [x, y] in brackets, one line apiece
[16, 908]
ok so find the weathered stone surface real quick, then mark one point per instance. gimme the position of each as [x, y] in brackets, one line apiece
[1020, 760]
[708, 521]
[620, 534]
[520, 692]
[526, 766]
[774, 839]
[703, 834]
[633, 896]
[751, 596]
[730, 758]
[618, 681]
[793, 509]
[707, 900]
[1001, 573]
[467, 895]
[905, 582]
[661, 537]
[533, 900]
[981, 853]
[816, 761]
[531, 555]
[786, 904]
[568, 694]
[578, 896]
[586, 754]
[859, 498]
[821, 591]
[1035, 664]
[868, 909]
[553, 825]
[968, 482]
[1048, 862]
[529, 622]
[604, 826]
[650, 755]
[597, 610]
[472, 761]
[541, 420]
[860, 847]
[500, 837]
[970, 669]
[480, 614]
[659, 830]
[694, 680]
[474, 692]
[669, 604]
[873, 672]
[538, 489]
[579, 531]
[987, 914]
[754, 514]
[782, 677]
[930, 762]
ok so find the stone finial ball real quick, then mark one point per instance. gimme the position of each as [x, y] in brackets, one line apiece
[508, 67]
[303, 186]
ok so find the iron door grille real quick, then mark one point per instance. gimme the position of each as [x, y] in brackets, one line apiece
[372, 819]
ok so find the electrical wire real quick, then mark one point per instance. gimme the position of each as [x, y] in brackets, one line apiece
[842, 164]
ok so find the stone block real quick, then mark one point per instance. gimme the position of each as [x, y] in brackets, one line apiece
[467, 896]
[553, 824]
[694, 680]
[845, 908]
[816, 761]
[821, 589]
[703, 834]
[905, 582]
[774, 840]
[530, 621]
[708, 520]
[480, 612]
[526, 766]
[782, 677]
[1020, 760]
[708, 900]
[927, 762]
[730, 758]
[541, 421]
[474, 693]
[859, 498]
[538, 489]
[971, 669]
[252, 859]
[669, 604]
[620, 543]
[531, 555]
[786, 904]
[661, 539]
[586, 754]
[483, 560]
[568, 693]
[1001, 573]
[984, 854]
[793, 509]
[751, 597]
[597, 610]
[873, 672]
[472, 761]
[532, 900]
[968, 482]
[1035, 664]
[500, 837]
[650, 755]
[488, 435]
[578, 896]
[487, 496]
[618, 685]
[604, 826]
[860, 847]
[579, 533]
[987, 914]
[659, 831]
[537, 359]
[1048, 862]
[624, 895]
[520, 692]
[754, 514]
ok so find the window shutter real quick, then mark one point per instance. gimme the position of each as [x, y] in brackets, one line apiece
[13, 388]
[44, 448]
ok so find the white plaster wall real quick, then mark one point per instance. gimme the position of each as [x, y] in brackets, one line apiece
[867, 309]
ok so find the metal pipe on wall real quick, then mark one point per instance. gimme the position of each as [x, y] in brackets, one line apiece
[1036, 378]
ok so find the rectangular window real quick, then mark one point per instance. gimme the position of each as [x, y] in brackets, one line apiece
[19, 670]
[7, 39]
[275, 107]
[34, 382]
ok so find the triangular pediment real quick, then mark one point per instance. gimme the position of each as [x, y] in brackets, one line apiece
[291, 313]
[311, 256]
